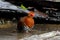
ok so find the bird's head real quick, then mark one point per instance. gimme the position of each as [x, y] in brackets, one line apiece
[31, 14]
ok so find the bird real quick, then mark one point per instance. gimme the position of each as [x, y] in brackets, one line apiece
[27, 22]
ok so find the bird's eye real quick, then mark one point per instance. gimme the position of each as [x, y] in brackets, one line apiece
[31, 13]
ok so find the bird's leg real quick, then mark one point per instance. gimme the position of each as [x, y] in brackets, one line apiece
[27, 29]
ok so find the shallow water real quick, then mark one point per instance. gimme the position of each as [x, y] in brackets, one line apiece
[39, 29]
